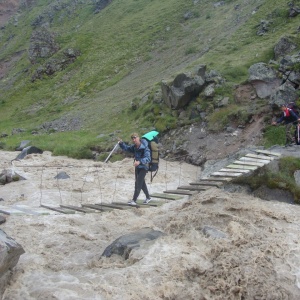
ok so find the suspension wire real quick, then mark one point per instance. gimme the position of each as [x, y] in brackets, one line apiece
[180, 165]
[84, 181]
[116, 184]
[71, 198]
[99, 184]
[58, 186]
[166, 182]
[41, 187]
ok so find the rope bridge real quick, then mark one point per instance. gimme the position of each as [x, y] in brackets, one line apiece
[86, 194]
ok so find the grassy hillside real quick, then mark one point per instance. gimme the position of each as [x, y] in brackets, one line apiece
[126, 50]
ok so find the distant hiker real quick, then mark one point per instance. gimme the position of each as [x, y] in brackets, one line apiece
[142, 158]
[288, 118]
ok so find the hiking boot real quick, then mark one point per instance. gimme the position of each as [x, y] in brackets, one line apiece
[147, 200]
[131, 202]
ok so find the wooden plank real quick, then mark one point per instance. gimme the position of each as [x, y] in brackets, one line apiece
[96, 207]
[248, 163]
[32, 210]
[80, 209]
[224, 179]
[234, 170]
[180, 192]
[154, 203]
[139, 202]
[194, 188]
[242, 167]
[265, 161]
[114, 206]
[59, 209]
[268, 152]
[259, 156]
[228, 174]
[10, 211]
[207, 183]
[164, 196]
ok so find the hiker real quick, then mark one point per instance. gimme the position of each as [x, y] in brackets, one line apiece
[142, 159]
[288, 118]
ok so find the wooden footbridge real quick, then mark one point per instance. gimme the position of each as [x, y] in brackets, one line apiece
[240, 167]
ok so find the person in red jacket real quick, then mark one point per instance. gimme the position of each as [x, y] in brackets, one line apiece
[288, 118]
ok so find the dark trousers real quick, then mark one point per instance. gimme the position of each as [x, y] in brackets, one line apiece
[140, 183]
[289, 133]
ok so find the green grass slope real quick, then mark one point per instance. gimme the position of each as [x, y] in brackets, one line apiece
[126, 50]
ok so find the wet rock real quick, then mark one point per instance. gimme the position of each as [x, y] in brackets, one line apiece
[7, 176]
[23, 145]
[213, 232]
[126, 243]
[28, 150]
[9, 257]
[2, 220]
[62, 175]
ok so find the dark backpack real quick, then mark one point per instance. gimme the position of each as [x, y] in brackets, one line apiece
[293, 106]
[154, 151]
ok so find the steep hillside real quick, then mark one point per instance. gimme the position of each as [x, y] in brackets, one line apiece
[70, 70]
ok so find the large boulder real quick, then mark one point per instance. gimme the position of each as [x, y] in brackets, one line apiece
[126, 243]
[182, 90]
[284, 94]
[290, 70]
[42, 45]
[10, 252]
[264, 79]
[284, 47]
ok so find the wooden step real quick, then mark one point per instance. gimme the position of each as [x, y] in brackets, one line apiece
[193, 188]
[264, 161]
[31, 210]
[180, 192]
[154, 203]
[97, 207]
[59, 209]
[224, 179]
[234, 170]
[227, 174]
[207, 183]
[7, 210]
[248, 163]
[259, 156]
[115, 206]
[140, 204]
[80, 209]
[268, 152]
[242, 167]
[164, 196]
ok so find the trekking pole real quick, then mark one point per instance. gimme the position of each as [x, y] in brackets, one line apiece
[111, 152]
